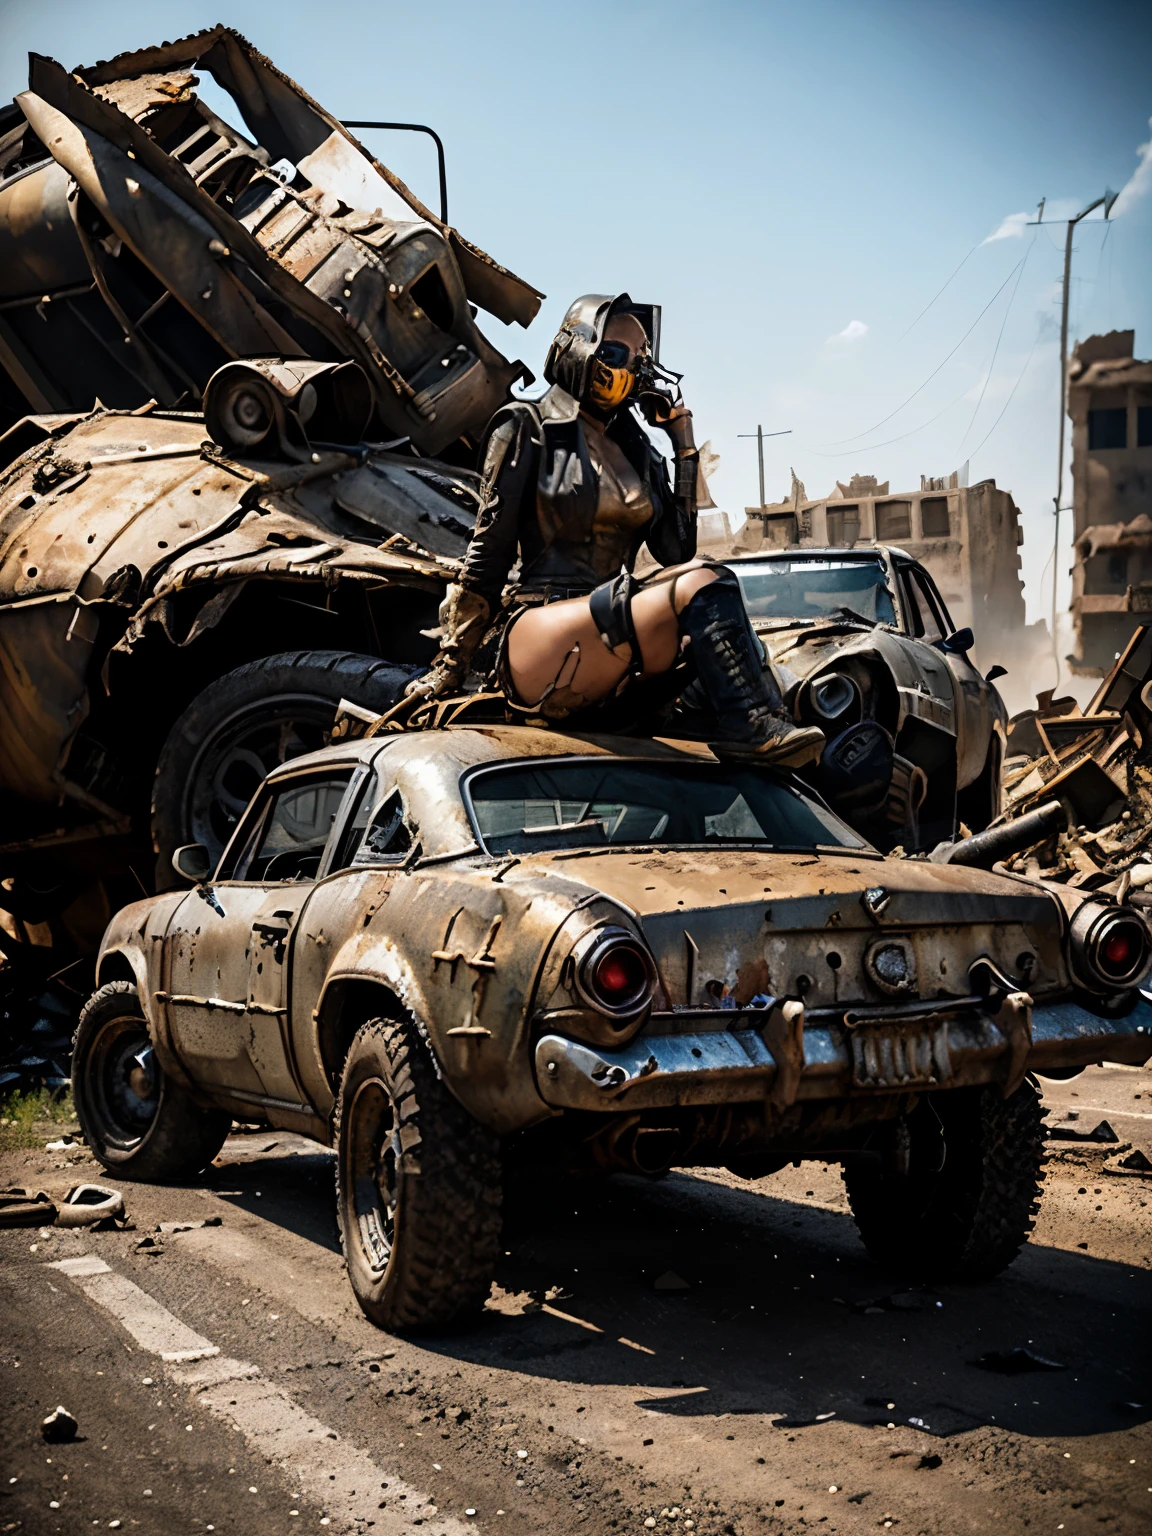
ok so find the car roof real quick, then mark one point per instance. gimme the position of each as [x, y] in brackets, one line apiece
[465, 745]
[820, 552]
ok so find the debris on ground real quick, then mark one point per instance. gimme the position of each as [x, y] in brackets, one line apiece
[25, 1208]
[59, 1426]
[1136, 1165]
[86, 1205]
[190, 1226]
[150, 1247]
[1100, 1133]
[1097, 763]
[65, 1144]
[1015, 1362]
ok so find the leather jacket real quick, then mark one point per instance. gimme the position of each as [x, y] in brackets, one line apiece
[572, 500]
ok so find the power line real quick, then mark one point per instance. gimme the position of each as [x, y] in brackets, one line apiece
[1007, 402]
[848, 453]
[996, 348]
[932, 301]
[935, 370]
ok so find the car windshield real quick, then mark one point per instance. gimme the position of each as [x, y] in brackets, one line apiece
[815, 589]
[592, 804]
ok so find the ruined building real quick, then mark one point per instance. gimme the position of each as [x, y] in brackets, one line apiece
[966, 536]
[1110, 403]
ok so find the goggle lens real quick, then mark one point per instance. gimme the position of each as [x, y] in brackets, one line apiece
[614, 354]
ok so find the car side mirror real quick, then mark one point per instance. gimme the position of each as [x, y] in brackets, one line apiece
[193, 862]
[995, 672]
[959, 643]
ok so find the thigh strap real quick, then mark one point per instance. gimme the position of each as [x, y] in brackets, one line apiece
[611, 608]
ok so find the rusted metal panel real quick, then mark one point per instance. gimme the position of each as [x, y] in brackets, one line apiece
[337, 258]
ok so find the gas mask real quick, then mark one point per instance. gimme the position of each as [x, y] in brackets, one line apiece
[613, 375]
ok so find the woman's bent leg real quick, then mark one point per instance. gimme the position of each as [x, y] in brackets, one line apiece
[556, 660]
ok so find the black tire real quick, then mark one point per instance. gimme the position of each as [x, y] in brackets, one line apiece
[966, 1205]
[418, 1188]
[137, 1122]
[243, 725]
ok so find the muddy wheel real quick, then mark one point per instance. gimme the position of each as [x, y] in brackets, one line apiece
[241, 727]
[966, 1204]
[137, 1122]
[417, 1186]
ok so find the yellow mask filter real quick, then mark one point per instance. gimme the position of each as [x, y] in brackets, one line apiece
[610, 387]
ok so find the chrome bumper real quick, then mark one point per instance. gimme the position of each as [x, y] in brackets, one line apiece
[729, 1066]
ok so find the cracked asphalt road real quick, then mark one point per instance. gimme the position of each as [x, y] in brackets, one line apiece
[716, 1356]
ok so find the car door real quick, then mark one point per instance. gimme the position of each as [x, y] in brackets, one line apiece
[978, 704]
[228, 943]
[373, 849]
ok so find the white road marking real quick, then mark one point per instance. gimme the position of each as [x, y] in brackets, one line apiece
[151, 1325]
[342, 1480]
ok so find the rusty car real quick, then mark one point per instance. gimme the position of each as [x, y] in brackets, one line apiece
[449, 953]
[865, 648]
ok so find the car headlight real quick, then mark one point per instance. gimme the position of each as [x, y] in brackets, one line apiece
[1111, 946]
[614, 973]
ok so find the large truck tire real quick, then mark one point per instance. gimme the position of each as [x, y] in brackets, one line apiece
[241, 727]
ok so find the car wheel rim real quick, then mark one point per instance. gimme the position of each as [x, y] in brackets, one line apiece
[124, 1082]
[239, 752]
[373, 1157]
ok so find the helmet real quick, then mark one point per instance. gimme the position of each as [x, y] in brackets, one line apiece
[586, 366]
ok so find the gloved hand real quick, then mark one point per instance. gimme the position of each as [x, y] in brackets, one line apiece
[670, 416]
[464, 621]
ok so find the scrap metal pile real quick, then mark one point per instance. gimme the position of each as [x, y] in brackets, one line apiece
[1097, 763]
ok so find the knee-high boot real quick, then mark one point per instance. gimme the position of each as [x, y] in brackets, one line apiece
[733, 672]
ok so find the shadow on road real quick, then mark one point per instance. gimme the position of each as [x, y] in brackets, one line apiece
[783, 1313]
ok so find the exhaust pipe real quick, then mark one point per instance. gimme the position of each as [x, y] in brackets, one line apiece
[984, 849]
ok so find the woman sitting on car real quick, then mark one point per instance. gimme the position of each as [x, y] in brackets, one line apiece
[573, 487]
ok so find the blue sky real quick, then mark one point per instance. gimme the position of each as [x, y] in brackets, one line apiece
[794, 183]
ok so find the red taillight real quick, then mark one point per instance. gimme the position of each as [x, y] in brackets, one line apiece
[1118, 951]
[1121, 948]
[620, 974]
[615, 973]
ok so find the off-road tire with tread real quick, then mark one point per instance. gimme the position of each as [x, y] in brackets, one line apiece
[240, 726]
[966, 1219]
[396, 1119]
[165, 1144]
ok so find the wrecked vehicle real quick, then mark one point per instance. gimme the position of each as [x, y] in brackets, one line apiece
[449, 951]
[262, 515]
[145, 242]
[865, 648]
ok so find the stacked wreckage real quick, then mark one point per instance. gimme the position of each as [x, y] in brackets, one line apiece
[444, 943]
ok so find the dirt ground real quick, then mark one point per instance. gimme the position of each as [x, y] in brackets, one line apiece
[696, 1353]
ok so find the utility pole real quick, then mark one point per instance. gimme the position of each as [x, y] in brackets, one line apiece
[1107, 200]
[760, 435]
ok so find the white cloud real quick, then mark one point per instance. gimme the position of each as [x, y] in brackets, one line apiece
[1140, 181]
[1009, 228]
[853, 331]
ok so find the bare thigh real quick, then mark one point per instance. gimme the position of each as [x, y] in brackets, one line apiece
[555, 652]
